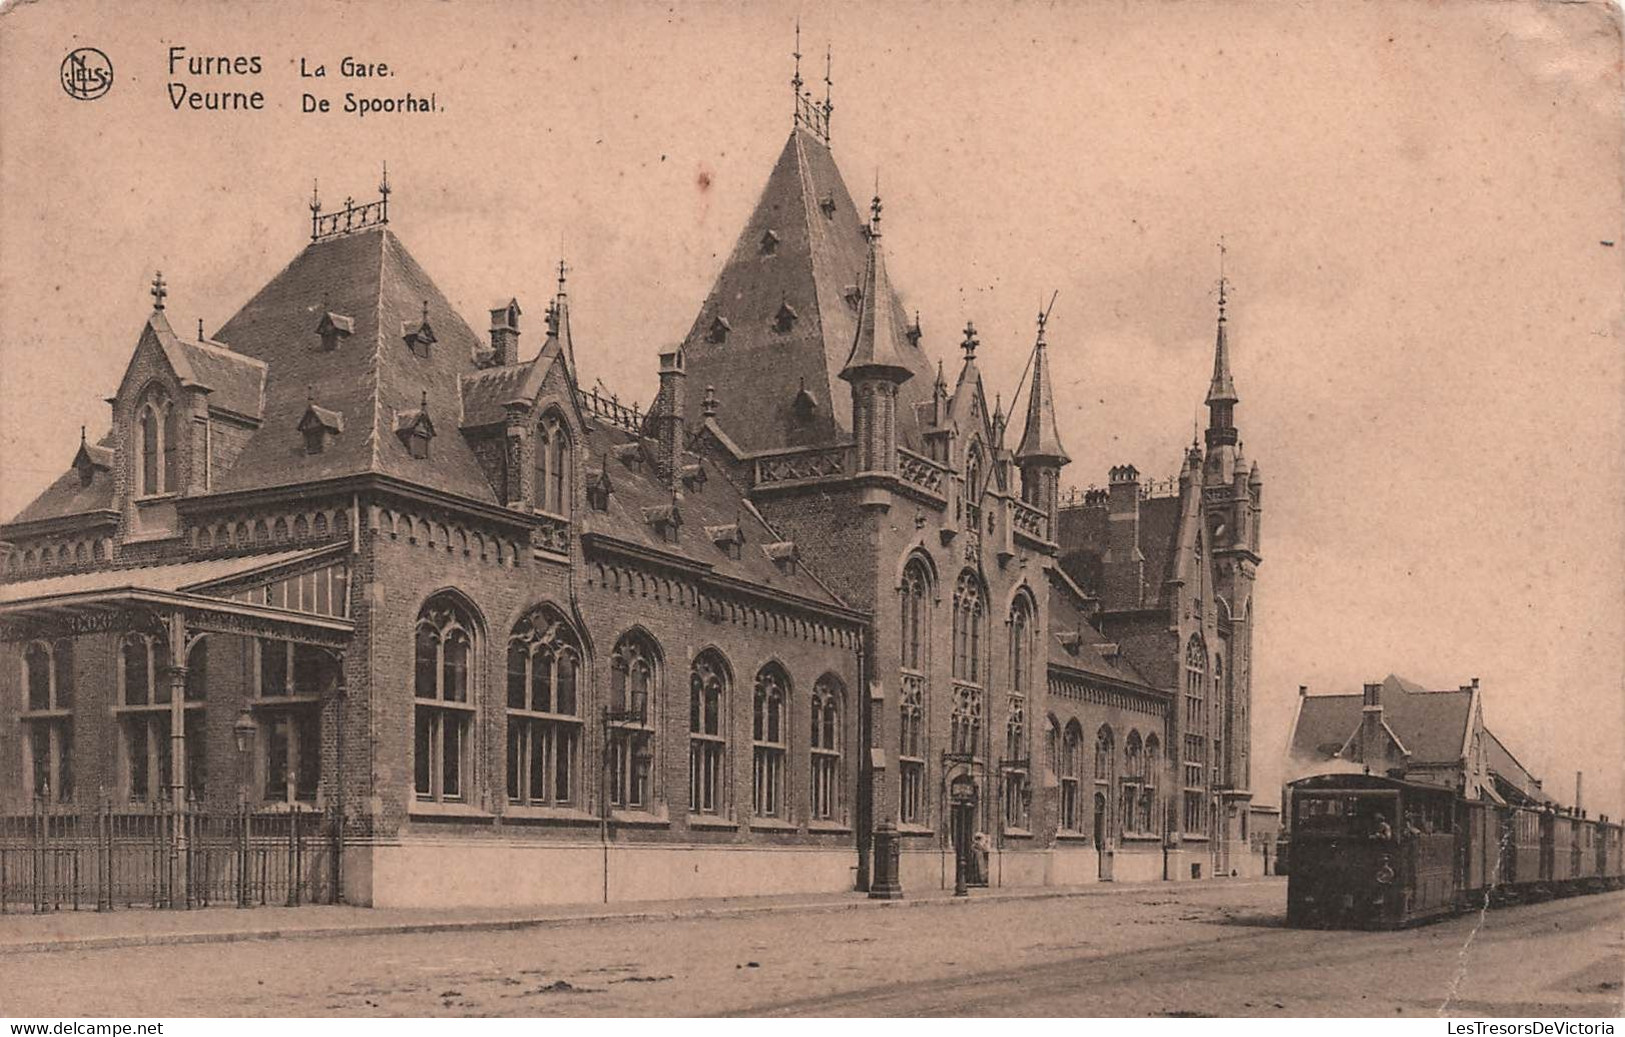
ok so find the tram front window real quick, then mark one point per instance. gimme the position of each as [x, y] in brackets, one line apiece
[1345, 815]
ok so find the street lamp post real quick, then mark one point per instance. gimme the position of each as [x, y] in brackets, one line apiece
[243, 733]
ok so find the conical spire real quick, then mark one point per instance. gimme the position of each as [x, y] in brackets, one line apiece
[875, 350]
[1222, 389]
[1041, 438]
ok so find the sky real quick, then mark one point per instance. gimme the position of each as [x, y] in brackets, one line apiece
[1422, 205]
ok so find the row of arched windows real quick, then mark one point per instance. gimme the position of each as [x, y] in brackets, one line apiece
[1135, 774]
[547, 706]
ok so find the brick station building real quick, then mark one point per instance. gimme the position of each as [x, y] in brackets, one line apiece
[807, 621]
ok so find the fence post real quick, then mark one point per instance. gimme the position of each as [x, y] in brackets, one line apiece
[293, 856]
[38, 852]
[242, 853]
[104, 852]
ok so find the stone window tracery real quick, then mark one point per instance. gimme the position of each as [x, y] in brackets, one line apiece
[544, 711]
[444, 701]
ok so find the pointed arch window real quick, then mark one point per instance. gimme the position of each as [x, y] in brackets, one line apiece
[544, 711]
[1196, 745]
[973, 486]
[444, 701]
[158, 436]
[633, 686]
[770, 741]
[553, 463]
[47, 720]
[1132, 781]
[1150, 816]
[915, 643]
[708, 684]
[826, 798]
[968, 618]
[1071, 767]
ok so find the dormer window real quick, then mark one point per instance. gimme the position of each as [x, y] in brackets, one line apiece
[599, 489]
[783, 555]
[89, 459]
[415, 429]
[319, 425]
[770, 243]
[720, 327]
[693, 477]
[629, 454]
[805, 403]
[666, 520]
[785, 318]
[827, 205]
[853, 295]
[418, 335]
[729, 539]
[914, 333]
[333, 328]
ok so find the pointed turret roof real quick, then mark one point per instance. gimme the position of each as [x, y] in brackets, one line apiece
[757, 358]
[1222, 389]
[876, 349]
[1041, 438]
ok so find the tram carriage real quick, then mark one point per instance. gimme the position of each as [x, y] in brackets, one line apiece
[1370, 852]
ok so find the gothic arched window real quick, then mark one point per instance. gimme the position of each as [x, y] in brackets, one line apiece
[770, 741]
[544, 710]
[1196, 727]
[825, 788]
[1071, 766]
[708, 683]
[915, 643]
[633, 695]
[552, 463]
[443, 712]
[968, 617]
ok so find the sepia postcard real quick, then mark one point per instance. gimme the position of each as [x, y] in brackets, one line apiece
[974, 509]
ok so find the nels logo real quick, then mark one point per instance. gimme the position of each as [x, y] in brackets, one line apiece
[87, 74]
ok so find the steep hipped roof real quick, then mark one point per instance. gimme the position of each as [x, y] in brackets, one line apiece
[1431, 724]
[815, 253]
[371, 376]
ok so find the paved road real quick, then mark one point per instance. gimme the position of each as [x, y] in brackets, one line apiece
[1211, 948]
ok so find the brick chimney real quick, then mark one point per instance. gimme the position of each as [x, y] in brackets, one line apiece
[1124, 564]
[669, 451]
[505, 334]
[1371, 726]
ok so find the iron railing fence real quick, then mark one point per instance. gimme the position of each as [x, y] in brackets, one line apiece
[72, 857]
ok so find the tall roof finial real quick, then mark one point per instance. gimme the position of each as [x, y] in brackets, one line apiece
[829, 106]
[1224, 282]
[158, 290]
[970, 343]
[200, 329]
[874, 209]
[563, 269]
[383, 184]
[795, 82]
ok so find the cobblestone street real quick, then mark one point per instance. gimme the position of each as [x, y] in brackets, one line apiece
[1189, 949]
